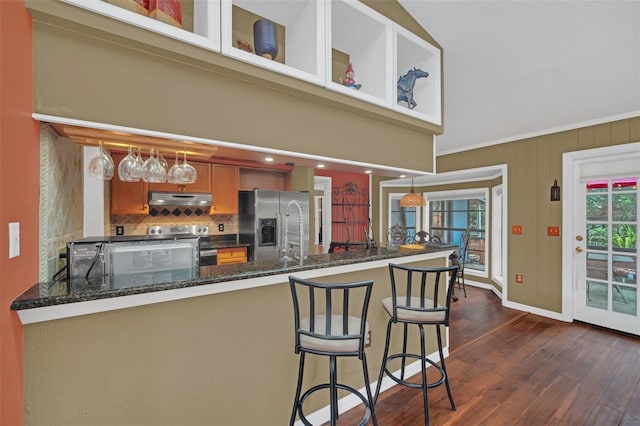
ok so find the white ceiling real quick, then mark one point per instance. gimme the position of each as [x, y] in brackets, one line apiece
[515, 69]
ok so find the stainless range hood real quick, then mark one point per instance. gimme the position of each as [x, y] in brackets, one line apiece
[180, 199]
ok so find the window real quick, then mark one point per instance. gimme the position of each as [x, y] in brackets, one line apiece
[453, 212]
[406, 217]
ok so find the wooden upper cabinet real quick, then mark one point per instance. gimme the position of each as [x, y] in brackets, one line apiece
[127, 197]
[224, 184]
[264, 179]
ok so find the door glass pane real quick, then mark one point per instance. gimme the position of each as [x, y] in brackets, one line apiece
[597, 236]
[597, 295]
[625, 269]
[597, 186]
[597, 206]
[624, 184]
[597, 266]
[624, 299]
[624, 207]
[624, 237]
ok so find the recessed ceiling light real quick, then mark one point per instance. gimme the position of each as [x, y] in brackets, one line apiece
[403, 176]
[269, 159]
[320, 166]
[368, 172]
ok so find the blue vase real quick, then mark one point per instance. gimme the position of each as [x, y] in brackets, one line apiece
[265, 39]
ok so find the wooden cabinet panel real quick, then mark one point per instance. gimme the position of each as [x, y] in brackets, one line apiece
[127, 197]
[225, 189]
[264, 179]
[231, 255]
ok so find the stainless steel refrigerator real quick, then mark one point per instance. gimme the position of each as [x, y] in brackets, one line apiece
[271, 223]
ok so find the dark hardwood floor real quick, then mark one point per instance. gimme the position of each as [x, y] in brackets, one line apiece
[507, 367]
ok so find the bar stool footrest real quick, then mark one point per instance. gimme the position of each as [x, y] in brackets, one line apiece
[303, 398]
[400, 381]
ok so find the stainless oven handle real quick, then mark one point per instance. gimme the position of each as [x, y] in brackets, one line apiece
[211, 252]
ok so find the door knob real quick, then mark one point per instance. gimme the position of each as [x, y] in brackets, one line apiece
[579, 249]
[579, 238]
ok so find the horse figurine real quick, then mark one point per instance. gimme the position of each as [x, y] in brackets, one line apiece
[406, 83]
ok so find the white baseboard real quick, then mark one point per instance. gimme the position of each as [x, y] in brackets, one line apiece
[350, 401]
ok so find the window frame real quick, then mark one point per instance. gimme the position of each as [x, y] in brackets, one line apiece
[465, 194]
[419, 219]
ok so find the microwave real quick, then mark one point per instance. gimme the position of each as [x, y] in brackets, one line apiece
[130, 255]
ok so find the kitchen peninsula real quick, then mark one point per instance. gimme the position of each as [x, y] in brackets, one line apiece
[198, 350]
[221, 278]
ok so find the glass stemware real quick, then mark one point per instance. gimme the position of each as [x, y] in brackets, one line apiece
[190, 172]
[102, 166]
[153, 170]
[127, 168]
[162, 161]
[175, 173]
[139, 165]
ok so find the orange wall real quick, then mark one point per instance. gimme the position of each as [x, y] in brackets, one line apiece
[19, 194]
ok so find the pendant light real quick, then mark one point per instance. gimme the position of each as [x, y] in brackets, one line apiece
[412, 199]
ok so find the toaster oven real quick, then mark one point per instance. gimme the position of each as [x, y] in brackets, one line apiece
[129, 255]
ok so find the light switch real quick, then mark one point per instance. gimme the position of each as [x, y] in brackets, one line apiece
[14, 239]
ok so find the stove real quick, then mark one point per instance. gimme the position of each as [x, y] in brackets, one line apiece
[199, 230]
[207, 254]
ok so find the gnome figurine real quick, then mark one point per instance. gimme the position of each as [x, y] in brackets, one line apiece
[349, 79]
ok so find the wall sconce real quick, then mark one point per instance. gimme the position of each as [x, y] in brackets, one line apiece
[555, 191]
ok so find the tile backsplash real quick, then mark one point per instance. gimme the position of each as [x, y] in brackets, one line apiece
[138, 224]
[60, 198]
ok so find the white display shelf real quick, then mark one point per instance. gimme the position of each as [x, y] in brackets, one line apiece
[301, 53]
[206, 21]
[412, 51]
[319, 38]
[362, 37]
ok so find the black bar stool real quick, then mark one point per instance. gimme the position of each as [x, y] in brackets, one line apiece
[417, 299]
[331, 320]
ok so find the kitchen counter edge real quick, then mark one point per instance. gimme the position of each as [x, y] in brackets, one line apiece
[32, 308]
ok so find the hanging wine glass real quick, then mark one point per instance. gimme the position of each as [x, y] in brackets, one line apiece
[162, 161]
[139, 165]
[153, 170]
[126, 168]
[101, 166]
[175, 173]
[190, 172]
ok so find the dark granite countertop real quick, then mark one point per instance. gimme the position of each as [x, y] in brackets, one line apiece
[80, 290]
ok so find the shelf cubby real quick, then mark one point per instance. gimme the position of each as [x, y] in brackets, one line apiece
[412, 51]
[200, 19]
[361, 36]
[300, 30]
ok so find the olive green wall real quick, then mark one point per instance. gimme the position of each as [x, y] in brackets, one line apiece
[224, 359]
[123, 75]
[533, 164]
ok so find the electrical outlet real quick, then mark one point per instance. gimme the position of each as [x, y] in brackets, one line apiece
[221, 227]
[516, 229]
[119, 230]
[519, 278]
[553, 231]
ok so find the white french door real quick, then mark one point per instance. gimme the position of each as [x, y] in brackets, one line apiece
[604, 247]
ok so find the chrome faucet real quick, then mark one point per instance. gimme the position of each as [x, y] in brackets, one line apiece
[300, 242]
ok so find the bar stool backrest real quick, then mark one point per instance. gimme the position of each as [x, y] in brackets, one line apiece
[330, 319]
[421, 295]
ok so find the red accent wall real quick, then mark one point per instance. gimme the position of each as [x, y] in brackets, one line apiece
[19, 195]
